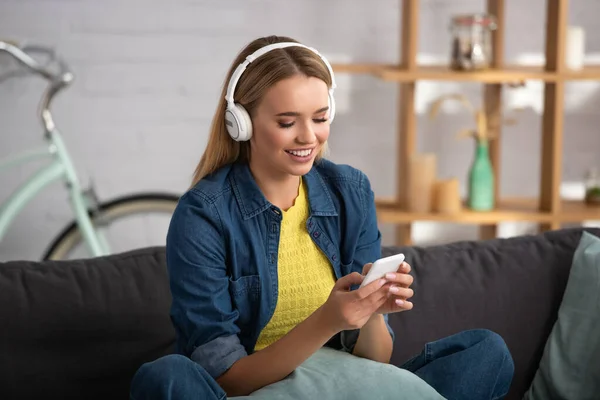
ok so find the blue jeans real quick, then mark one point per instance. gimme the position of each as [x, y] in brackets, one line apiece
[473, 364]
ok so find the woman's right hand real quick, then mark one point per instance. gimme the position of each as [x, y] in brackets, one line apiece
[346, 310]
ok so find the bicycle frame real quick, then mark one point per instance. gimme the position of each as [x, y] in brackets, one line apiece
[60, 168]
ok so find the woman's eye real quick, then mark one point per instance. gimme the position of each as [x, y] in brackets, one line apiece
[290, 124]
[284, 125]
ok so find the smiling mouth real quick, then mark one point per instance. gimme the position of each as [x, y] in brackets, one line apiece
[300, 153]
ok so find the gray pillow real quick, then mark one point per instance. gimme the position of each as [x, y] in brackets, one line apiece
[570, 366]
[336, 375]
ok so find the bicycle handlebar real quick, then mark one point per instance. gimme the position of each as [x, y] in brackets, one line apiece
[58, 80]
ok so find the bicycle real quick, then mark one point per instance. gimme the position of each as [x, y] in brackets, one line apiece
[93, 220]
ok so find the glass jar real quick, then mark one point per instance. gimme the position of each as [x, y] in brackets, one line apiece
[592, 187]
[472, 41]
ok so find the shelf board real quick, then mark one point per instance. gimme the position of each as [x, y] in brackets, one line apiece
[365, 68]
[508, 210]
[507, 74]
[444, 73]
[577, 211]
[590, 72]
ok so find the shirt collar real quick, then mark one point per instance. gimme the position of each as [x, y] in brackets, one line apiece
[252, 201]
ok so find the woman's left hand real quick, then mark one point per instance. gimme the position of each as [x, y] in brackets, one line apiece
[398, 288]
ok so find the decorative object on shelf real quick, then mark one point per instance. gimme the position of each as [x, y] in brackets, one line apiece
[481, 195]
[575, 47]
[481, 179]
[447, 196]
[472, 41]
[592, 187]
[421, 178]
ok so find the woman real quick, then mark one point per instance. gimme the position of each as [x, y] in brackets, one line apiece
[265, 247]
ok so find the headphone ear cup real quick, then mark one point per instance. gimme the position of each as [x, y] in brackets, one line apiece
[331, 107]
[238, 123]
[246, 133]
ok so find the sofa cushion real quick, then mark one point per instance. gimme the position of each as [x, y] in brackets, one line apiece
[512, 286]
[80, 329]
[320, 377]
[570, 366]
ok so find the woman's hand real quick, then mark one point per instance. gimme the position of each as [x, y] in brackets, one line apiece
[397, 289]
[345, 309]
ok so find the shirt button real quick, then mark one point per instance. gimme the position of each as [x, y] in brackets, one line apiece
[333, 257]
[316, 234]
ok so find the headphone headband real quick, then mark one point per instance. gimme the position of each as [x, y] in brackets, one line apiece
[235, 77]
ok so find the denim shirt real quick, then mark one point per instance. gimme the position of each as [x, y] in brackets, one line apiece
[222, 256]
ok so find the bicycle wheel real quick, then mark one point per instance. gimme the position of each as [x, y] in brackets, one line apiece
[139, 220]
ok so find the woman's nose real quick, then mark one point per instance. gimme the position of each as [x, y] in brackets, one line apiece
[307, 134]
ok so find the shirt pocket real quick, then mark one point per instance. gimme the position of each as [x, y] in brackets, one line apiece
[245, 295]
[347, 263]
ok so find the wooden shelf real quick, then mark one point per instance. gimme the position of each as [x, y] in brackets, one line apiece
[591, 72]
[515, 210]
[444, 73]
[508, 74]
[407, 73]
[577, 211]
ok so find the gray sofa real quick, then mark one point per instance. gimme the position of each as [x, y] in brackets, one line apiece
[80, 329]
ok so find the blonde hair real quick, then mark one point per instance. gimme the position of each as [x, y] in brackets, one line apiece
[262, 74]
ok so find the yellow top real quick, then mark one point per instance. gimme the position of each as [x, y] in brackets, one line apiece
[305, 275]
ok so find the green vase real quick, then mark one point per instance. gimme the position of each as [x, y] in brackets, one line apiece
[481, 179]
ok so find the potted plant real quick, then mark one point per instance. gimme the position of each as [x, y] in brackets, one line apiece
[592, 190]
[593, 196]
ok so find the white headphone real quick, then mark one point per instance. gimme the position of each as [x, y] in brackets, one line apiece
[237, 119]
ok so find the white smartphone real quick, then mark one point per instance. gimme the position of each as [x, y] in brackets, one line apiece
[382, 267]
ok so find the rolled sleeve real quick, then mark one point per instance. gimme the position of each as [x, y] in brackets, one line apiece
[202, 312]
[368, 249]
[218, 355]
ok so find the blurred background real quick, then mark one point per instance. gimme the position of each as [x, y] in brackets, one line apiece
[148, 75]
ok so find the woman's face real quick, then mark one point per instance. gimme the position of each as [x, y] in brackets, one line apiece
[290, 126]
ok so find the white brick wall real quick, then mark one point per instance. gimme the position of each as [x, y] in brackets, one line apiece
[148, 73]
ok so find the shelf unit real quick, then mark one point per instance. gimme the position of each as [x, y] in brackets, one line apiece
[548, 211]
[507, 74]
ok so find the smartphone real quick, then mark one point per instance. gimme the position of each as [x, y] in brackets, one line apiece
[382, 267]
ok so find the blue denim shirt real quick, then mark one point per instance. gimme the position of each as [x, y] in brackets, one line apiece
[222, 256]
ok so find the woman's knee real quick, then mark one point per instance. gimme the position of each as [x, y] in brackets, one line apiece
[174, 376]
[496, 352]
[484, 353]
[494, 343]
[153, 378]
[162, 368]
